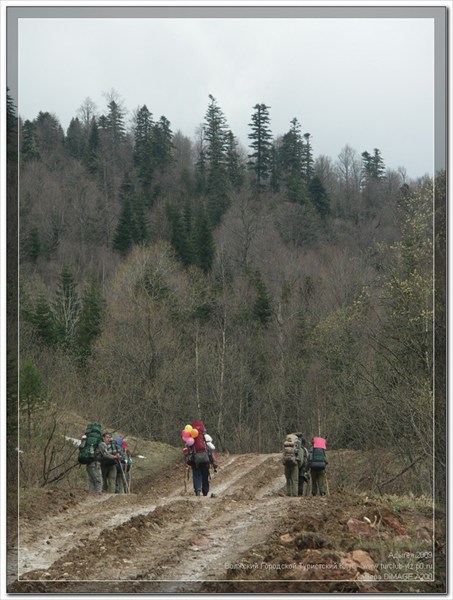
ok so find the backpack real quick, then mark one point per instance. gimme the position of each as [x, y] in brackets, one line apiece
[113, 447]
[317, 459]
[89, 443]
[200, 452]
[291, 450]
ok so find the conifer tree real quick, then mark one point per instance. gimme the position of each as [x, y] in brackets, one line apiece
[163, 143]
[42, 320]
[143, 147]
[261, 158]
[29, 148]
[75, 139]
[91, 157]
[215, 135]
[204, 247]
[125, 233]
[319, 196]
[307, 158]
[234, 165]
[90, 319]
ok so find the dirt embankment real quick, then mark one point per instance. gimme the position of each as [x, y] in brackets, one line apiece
[248, 536]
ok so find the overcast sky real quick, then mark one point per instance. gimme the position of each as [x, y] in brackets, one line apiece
[363, 82]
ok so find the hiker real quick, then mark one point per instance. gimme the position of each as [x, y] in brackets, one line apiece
[317, 462]
[303, 466]
[292, 462]
[90, 456]
[123, 466]
[110, 456]
[200, 456]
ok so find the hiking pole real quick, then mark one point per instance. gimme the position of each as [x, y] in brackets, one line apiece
[126, 487]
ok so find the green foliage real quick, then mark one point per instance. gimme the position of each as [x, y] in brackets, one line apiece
[319, 197]
[66, 309]
[90, 322]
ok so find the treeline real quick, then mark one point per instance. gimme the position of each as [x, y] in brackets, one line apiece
[261, 289]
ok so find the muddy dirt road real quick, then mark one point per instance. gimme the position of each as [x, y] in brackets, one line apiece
[161, 538]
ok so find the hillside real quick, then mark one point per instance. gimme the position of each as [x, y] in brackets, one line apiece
[246, 536]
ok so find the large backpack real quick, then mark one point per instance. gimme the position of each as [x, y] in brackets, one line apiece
[317, 459]
[113, 447]
[200, 449]
[291, 450]
[89, 443]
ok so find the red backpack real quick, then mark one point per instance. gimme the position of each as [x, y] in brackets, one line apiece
[200, 450]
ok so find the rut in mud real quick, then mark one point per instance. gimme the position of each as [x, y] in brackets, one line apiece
[163, 539]
[165, 533]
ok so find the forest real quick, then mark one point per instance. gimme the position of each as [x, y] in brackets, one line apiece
[262, 288]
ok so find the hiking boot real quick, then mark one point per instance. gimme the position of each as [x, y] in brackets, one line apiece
[197, 492]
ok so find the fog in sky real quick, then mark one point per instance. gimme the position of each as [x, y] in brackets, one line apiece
[368, 83]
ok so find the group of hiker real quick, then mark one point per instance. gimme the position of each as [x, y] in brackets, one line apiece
[304, 465]
[107, 459]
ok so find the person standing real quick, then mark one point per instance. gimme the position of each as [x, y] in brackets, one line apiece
[94, 473]
[317, 462]
[109, 460]
[291, 460]
[303, 465]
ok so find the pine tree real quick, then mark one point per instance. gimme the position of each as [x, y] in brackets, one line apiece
[144, 159]
[261, 158]
[307, 158]
[319, 196]
[181, 235]
[204, 247]
[125, 232]
[215, 135]
[42, 320]
[234, 165]
[91, 157]
[90, 319]
[163, 143]
[29, 148]
[75, 139]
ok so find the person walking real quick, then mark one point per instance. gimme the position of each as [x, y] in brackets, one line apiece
[200, 456]
[109, 459]
[291, 460]
[303, 465]
[317, 462]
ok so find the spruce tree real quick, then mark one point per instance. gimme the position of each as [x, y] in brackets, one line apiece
[319, 196]
[215, 135]
[29, 148]
[204, 246]
[307, 158]
[262, 307]
[125, 232]
[43, 322]
[144, 159]
[234, 165]
[260, 160]
[75, 139]
[90, 319]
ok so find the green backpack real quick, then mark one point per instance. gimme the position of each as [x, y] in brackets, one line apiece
[89, 443]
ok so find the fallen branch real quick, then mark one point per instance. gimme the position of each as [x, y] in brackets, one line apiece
[402, 472]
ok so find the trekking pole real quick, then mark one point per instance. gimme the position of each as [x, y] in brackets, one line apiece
[126, 487]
